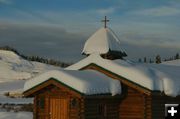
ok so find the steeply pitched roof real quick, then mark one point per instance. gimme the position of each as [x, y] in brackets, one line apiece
[101, 42]
[86, 82]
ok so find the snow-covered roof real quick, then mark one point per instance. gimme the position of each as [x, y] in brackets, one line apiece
[152, 78]
[86, 82]
[101, 42]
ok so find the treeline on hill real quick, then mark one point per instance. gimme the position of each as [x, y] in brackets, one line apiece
[37, 58]
[158, 59]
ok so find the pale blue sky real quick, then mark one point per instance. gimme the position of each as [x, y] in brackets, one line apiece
[42, 27]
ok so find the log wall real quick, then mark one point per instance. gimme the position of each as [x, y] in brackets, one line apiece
[43, 113]
[84, 107]
[133, 105]
[101, 108]
[136, 102]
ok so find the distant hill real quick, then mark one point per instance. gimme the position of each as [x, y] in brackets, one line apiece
[14, 70]
[36, 58]
[14, 67]
[172, 62]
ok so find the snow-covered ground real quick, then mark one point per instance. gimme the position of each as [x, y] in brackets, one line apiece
[13, 86]
[16, 115]
[173, 62]
[14, 71]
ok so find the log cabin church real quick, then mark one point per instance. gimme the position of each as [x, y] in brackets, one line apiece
[104, 85]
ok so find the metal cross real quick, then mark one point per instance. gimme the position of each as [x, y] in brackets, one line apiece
[105, 22]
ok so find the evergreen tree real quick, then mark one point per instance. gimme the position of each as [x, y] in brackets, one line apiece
[158, 59]
[150, 61]
[145, 60]
[165, 60]
[139, 60]
[177, 56]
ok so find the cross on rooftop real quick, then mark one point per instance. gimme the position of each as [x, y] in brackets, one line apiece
[105, 21]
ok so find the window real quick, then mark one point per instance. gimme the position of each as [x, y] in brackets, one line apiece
[41, 102]
[102, 110]
[74, 103]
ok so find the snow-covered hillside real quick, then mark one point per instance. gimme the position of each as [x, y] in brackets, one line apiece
[13, 71]
[173, 62]
[13, 67]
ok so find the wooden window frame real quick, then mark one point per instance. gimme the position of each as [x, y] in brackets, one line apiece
[41, 102]
[102, 110]
[74, 103]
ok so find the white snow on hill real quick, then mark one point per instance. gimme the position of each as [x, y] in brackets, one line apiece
[13, 71]
[13, 67]
[173, 62]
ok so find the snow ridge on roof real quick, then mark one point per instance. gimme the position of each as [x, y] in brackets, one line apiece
[149, 77]
[86, 82]
[101, 42]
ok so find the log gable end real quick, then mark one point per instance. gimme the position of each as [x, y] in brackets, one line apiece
[135, 101]
[54, 102]
[118, 77]
[42, 86]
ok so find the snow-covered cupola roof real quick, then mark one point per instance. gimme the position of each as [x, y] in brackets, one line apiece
[104, 42]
